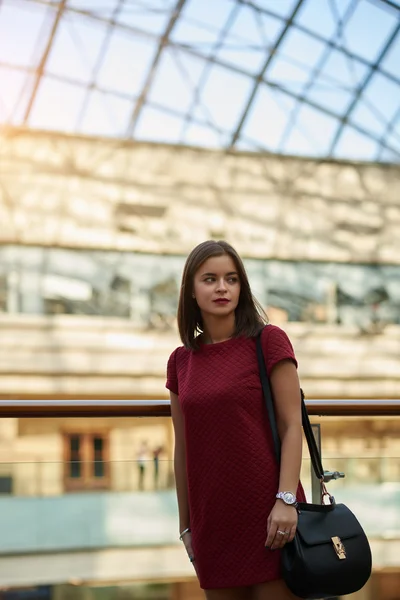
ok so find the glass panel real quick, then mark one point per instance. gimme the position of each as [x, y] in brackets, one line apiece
[101, 8]
[317, 16]
[283, 8]
[24, 29]
[127, 516]
[14, 92]
[197, 135]
[329, 96]
[288, 74]
[76, 47]
[57, 105]
[302, 47]
[158, 125]
[370, 118]
[106, 114]
[314, 128]
[384, 94]
[149, 473]
[224, 96]
[245, 42]
[151, 16]
[267, 118]
[122, 70]
[176, 80]
[197, 11]
[355, 145]
[391, 61]
[360, 31]
[347, 73]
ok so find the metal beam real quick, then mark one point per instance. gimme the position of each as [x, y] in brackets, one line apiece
[314, 35]
[153, 68]
[205, 72]
[100, 59]
[314, 75]
[388, 130]
[43, 61]
[263, 72]
[374, 67]
[391, 4]
[241, 71]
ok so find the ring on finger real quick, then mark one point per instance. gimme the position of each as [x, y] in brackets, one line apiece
[281, 532]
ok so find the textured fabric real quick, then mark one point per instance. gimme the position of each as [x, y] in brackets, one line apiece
[231, 468]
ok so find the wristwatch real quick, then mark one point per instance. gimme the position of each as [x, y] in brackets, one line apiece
[288, 498]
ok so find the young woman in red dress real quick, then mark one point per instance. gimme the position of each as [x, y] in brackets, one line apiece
[236, 504]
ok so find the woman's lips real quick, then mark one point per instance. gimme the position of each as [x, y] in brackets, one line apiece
[222, 301]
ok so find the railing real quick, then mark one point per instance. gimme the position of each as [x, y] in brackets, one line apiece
[161, 408]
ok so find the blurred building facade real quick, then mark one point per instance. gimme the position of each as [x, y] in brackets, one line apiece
[94, 234]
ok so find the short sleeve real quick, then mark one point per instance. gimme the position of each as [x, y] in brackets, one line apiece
[276, 347]
[172, 376]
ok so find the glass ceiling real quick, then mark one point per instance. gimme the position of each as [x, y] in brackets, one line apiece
[302, 77]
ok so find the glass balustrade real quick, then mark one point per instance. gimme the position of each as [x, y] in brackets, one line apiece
[95, 529]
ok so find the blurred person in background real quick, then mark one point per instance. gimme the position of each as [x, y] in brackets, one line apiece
[156, 463]
[141, 458]
[237, 506]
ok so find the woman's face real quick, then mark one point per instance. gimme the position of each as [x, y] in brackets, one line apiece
[217, 286]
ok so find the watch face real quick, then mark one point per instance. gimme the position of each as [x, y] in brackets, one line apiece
[289, 498]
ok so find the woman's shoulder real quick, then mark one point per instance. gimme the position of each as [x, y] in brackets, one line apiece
[276, 344]
[178, 354]
[273, 332]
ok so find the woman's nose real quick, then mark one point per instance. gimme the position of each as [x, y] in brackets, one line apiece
[221, 285]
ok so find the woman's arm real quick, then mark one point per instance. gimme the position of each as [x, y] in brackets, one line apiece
[180, 474]
[180, 463]
[286, 391]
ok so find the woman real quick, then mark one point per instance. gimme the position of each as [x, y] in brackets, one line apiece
[231, 521]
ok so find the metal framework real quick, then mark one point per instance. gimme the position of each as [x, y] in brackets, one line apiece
[251, 40]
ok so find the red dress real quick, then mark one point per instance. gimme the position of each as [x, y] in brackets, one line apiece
[231, 468]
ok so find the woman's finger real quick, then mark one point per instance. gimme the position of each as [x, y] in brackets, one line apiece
[272, 529]
[280, 538]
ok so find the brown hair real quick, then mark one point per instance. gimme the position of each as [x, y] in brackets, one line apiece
[249, 314]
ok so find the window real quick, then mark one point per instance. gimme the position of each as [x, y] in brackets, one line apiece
[86, 464]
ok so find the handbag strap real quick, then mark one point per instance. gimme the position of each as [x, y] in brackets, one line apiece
[267, 392]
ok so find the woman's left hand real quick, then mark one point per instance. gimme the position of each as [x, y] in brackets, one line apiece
[282, 523]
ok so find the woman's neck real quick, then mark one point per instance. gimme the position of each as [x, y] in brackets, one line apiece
[217, 330]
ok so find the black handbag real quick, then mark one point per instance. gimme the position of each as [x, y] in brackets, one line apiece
[330, 554]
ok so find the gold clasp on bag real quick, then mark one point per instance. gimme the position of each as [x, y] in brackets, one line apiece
[339, 547]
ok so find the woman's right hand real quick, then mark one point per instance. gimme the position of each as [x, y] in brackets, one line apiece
[187, 541]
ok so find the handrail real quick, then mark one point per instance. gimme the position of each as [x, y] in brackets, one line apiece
[161, 408]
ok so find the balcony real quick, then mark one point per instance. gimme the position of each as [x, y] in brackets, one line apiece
[77, 512]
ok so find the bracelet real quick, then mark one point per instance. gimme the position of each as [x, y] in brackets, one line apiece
[184, 532]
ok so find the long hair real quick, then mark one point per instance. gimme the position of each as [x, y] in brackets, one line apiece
[249, 314]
